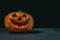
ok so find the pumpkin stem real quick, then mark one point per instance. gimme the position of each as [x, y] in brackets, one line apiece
[19, 10]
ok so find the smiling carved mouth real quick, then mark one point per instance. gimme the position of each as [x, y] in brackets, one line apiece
[20, 23]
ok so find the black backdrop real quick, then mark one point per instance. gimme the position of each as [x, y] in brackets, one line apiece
[45, 13]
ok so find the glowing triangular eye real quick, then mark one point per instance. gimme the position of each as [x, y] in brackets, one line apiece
[14, 15]
[24, 15]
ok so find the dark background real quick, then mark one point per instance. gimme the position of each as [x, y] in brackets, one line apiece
[45, 13]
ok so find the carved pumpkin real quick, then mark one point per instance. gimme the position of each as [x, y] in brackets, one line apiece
[18, 22]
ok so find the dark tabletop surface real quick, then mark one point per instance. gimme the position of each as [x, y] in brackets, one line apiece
[34, 34]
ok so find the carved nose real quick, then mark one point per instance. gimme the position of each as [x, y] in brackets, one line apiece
[19, 18]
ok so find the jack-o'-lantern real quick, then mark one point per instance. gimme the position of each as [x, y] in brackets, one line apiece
[19, 22]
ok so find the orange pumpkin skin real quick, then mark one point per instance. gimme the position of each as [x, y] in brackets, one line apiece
[19, 22]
